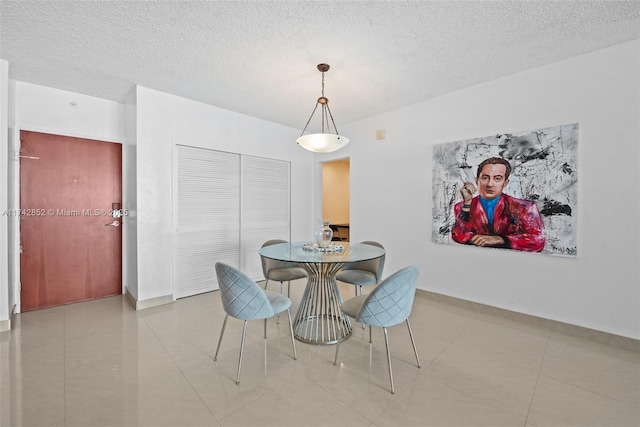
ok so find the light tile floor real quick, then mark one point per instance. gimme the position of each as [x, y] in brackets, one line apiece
[100, 363]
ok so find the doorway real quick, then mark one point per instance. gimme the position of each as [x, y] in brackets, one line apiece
[70, 233]
[336, 196]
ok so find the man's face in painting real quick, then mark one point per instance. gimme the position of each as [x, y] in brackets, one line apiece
[491, 180]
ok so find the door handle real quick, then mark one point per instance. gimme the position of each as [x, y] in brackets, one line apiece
[113, 224]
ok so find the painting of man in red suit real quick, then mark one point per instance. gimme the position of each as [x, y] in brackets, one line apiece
[494, 219]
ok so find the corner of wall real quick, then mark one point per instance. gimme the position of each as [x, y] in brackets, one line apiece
[5, 325]
[130, 200]
[151, 302]
[5, 297]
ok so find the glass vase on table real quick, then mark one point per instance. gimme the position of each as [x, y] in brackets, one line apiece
[323, 233]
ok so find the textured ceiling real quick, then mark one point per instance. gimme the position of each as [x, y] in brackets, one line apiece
[259, 57]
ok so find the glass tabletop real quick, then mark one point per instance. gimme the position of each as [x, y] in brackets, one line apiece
[296, 252]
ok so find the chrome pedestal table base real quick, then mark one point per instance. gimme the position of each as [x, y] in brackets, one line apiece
[319, 319]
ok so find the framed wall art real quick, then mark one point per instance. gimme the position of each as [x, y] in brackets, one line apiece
[515, 191]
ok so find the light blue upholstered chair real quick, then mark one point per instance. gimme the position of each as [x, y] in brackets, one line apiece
[243, 299]
[280, 271]
[363, 273]
[387, 305]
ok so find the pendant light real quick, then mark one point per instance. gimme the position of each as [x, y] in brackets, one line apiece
[322, 142]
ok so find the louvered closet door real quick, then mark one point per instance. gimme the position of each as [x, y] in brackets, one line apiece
[265, 208]
[208, 218]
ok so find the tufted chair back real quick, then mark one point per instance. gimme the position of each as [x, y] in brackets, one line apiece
[242, 298]
[391, 301]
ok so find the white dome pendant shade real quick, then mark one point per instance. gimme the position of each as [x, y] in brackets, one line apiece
[322, 142]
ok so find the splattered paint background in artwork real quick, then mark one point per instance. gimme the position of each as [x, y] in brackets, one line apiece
[545, 170]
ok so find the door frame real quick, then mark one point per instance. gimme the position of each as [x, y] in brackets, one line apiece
[319, 186]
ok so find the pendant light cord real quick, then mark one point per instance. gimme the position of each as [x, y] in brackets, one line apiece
[325, 109]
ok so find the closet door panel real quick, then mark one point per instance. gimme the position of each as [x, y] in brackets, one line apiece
[208, 220]
[265, 208]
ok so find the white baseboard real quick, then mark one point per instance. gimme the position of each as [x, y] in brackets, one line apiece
[566, 328]
[5, 325]
[148, 303]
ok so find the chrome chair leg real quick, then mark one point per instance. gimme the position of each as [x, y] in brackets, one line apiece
[413, 343]
[335, 358]
[356, 289]
[357, 295]
[244, 333]
[224, 324]
[370, 347]
[293, 340]
[265, 345]
[386, 341]
[278, 316]
[266, 282]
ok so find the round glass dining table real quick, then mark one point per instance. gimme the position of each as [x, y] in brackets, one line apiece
[319, 319]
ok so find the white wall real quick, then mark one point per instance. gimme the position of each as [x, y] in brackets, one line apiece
[43, 109]
[5, 302]
[391, 190]
[130, 199]
[165, 120]
[391, 181]
[149, 125]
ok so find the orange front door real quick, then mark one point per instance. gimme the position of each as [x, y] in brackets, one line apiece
[67, 188]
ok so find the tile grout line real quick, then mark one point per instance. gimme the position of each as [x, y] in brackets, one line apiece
[535, 387]
[181, 371]
[64, 355]
[423, 369]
